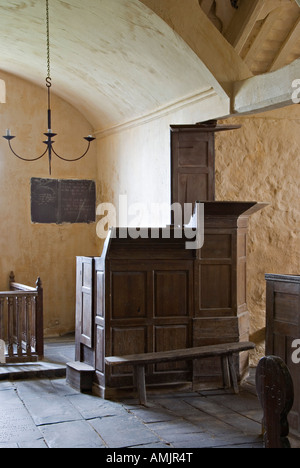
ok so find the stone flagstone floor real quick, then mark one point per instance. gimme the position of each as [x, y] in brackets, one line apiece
[46, 413]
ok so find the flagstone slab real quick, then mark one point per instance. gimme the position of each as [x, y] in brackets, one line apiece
[123, 431]
[74, 434]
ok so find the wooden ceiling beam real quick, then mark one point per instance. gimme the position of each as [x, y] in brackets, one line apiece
[272, 5]
[243, 22]
[282, 56]
[261, 37]
[267, 91]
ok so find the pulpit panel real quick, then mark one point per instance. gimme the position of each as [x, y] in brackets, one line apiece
[171, 337]
[192, 164]
[129, 295]
[174, 303]
[151, 309]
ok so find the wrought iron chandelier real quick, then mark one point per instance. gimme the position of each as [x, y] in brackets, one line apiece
[49, 134]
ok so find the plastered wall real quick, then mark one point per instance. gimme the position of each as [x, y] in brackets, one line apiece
[32, 250]
[135, 161]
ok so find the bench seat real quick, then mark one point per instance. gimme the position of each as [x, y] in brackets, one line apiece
[224, 351]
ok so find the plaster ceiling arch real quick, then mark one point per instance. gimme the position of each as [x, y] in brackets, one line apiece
[114, 60]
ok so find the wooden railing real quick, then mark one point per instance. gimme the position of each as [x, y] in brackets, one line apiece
[21, 322]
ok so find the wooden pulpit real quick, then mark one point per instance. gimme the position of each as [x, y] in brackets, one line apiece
[153, 294]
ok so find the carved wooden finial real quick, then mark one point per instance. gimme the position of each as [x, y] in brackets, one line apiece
[12, 277]
[39, 283]
[275, 391]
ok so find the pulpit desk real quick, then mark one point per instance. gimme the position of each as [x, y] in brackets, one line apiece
[152, 294]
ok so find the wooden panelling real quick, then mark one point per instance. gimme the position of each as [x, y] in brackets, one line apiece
[154, 295]
[283, 327]
[176, 302]
[99, 299]
[221, 314]
[170, 337]
[84, 301]
[100, 345]
[125, 303]
[128, 340]
[214, 330]
[161, 291]
[192, 185]
[215, 284]
[215, 287]
[193, 149]
[192, 164]
[217, 246]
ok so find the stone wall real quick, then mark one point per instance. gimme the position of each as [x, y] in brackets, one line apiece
[261, 162]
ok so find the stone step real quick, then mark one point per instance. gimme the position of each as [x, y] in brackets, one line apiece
[30, 370]
[80, 376]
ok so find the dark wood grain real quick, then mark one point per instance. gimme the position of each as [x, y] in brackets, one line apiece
[180, 354]
[139, 362]
[283, 327]
[276, 393]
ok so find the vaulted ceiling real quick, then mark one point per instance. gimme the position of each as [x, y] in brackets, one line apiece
[118, 60]
[114, 60]
[265, 33]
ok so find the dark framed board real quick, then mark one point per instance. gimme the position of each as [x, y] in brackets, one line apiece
[63, 201]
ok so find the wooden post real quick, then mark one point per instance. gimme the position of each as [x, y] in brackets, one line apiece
[11, 279]
[10, 312]
[19, 324]
[139, 374]
[39, 322]
[275, 391]
[233, 374]
[225, 371]
[2, 302]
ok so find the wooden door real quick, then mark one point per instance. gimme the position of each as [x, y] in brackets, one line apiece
[84, 304]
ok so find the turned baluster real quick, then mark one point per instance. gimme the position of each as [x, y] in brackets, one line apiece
[28, 314]
[2, 337]
[10, 326]
[18, 316]
[11, 279]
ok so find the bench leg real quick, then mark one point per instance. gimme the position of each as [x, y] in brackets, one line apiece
[225, 371]
[139, 374]
[233, 374]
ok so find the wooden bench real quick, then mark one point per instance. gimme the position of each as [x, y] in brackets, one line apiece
[275, 390]
[139, 361]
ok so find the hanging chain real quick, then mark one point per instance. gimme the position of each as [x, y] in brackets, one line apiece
[48, 79]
